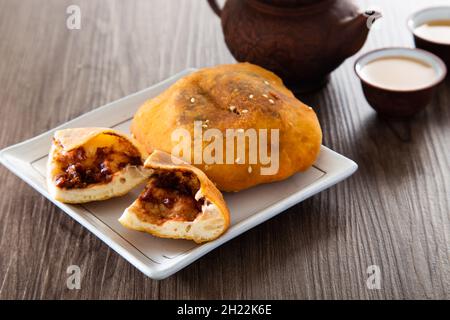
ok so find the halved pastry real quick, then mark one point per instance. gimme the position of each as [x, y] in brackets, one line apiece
[90, 164]
[179, 202]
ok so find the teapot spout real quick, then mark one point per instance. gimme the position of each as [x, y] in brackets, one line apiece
[357, 30]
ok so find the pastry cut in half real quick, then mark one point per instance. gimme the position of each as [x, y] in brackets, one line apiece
[90, 164]
[179, 202]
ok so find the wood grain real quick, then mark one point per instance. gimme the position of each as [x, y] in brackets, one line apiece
[394, 212]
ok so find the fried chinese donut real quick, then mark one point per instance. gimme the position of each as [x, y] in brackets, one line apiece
[238, 97]
[178, 202]
[89, 164]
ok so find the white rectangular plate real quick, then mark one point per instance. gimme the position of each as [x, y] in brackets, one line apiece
[159, 258]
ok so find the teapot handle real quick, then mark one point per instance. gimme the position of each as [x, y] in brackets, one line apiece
[215, 7]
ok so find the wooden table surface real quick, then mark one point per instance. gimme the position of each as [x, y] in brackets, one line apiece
[394, 212]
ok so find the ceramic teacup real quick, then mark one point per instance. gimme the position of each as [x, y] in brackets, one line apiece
[439, 47]
[395, 102]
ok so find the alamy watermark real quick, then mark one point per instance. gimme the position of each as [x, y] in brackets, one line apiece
[373, 282]
[373, 14]
[73, 21]
[238, 146]
[73, 281]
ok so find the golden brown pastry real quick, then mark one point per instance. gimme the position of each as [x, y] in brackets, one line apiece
[179, 202]
[236, 96]
[89, 164]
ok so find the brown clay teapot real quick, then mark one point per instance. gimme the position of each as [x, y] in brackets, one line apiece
[302, 41]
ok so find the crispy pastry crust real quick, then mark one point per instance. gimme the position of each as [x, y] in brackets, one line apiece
[208, 225]
[236, 96]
